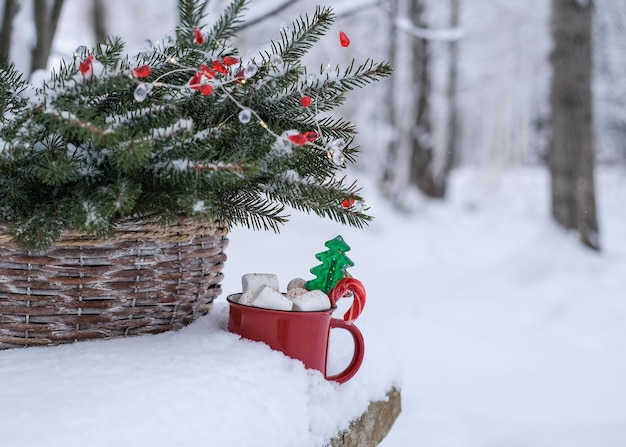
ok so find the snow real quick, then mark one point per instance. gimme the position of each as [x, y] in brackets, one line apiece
[448, 35]
[199, 385]
[499, 327]
[181, 125]
[199, 206]
[509, 332]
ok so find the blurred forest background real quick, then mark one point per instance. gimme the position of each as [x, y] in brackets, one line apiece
[492, 84]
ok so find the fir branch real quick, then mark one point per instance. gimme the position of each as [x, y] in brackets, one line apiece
[189, 166]
[250, 210]
[337, 127]
[14, 196]
[233, 168]
[12, 85]
[40, 230]
[325, 101]
[366, 73]
[322, 199]
[351, 78]
[109, 53]
[130, 156]
[86, 150]
[119, 197]
[57, 169]
[303, 34]
[133, 116]
[92, 217]
[190, 14]
[227, 24]
[73, 121]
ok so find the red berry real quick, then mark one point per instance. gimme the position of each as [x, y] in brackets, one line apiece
[230, 60]
[240, 77]
[305, 101]
[347, 203]
[195, 80]
[206, 89]
[298, 139]
[208, 72]
[85, 65]
[311, 136]
[142, 72]
[198, 36]
[220, 67]
[343, 39]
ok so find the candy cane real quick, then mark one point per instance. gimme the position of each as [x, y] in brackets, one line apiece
[355, 287]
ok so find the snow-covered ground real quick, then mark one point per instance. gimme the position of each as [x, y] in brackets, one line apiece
[509, 332]
[499, 327]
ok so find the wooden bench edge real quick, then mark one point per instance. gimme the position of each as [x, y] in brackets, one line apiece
[372, 426]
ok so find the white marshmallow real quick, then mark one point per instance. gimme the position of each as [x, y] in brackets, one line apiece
[253, 281]
[268, 298]
[294, 292]
[247, 297]
[311, 301]
[296, 283]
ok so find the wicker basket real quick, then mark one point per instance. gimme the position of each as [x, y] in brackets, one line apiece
[145, 280]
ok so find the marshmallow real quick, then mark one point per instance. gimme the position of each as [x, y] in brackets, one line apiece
[294, 292]
[311, 301]
[268, 298]
[247, 297]
[296, 283]
[253, 281]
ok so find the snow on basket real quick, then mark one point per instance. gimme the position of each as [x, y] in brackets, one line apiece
[147, 278]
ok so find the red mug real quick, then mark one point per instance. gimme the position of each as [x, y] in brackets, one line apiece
[300, 335]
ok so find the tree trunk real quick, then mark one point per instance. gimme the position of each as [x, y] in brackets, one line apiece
[390, 163]
[421, 173]
[452, 99]
[11, 7]
[412, 159]
[571, 152]
[46, 21]
[99, 20]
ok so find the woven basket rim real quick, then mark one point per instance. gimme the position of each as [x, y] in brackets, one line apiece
[140, 229]
[144, 279]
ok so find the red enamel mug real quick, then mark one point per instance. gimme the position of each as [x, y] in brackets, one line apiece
[300, 335]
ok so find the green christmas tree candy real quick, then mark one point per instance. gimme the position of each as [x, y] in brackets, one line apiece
[333, 267]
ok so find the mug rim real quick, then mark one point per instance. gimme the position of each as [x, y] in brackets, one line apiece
[230, 301]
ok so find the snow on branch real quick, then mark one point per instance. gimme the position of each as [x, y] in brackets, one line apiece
[442, 34]
[186, 165]
[73, 120]
[182, 125]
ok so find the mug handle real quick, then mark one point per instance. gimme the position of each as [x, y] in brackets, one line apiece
[359, 351]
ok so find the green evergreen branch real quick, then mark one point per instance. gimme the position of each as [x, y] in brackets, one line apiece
[303, 34]
[12, 85]
[90, 147]
[251, 210]
[109, 53]
[190, 15]
[351, 78]
[322, 199]
[39, 230]
[226, 25]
